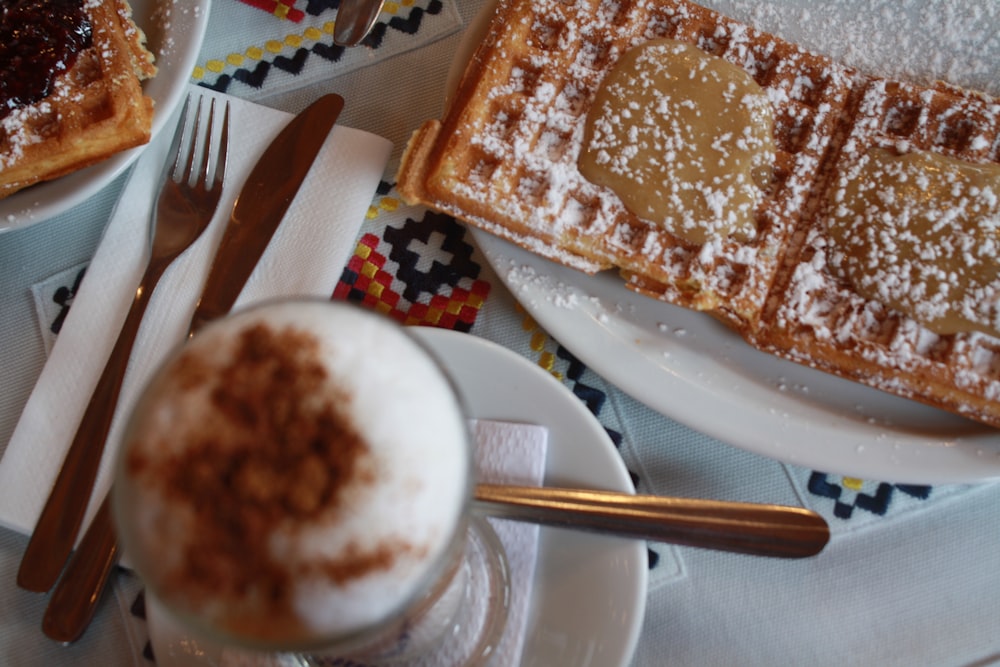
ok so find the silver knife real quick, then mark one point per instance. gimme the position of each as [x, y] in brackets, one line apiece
[261, 205]
[259, 209]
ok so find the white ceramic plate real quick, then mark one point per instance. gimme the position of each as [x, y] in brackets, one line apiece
[174, 31]
[691, 369]
[589, 596]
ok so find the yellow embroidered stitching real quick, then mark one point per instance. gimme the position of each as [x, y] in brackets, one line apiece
[538, 342]
[291, 41]
[852, 483]
[388, 204]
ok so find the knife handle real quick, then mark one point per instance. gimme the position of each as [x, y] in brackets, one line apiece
[74, 599]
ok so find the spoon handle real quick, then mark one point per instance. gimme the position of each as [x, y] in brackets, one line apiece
[761, 530]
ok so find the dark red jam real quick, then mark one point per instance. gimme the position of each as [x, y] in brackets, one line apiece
[39, 39]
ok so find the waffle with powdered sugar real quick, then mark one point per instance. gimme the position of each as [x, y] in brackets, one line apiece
[504, 158]
[816, 318]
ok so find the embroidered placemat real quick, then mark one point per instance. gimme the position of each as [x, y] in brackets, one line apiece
[290, 43]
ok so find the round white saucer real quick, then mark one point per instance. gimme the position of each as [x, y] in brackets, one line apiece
[589, 595]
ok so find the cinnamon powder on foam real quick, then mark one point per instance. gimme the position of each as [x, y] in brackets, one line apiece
[278, 459]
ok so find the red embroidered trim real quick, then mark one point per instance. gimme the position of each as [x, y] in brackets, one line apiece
[457, 310]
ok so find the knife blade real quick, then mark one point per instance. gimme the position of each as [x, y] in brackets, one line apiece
[259, 209]
[262, 204]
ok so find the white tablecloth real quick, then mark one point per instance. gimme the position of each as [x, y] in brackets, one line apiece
[912, 573]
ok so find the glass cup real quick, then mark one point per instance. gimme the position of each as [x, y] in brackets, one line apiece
[296, 478]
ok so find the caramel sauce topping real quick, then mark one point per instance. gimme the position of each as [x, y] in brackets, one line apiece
[684, 138]
[919, 233]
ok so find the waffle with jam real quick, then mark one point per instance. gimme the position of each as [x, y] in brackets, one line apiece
[71, 87]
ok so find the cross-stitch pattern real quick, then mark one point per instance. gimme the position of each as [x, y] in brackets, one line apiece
[851, 504]
[283, 9]
[53, 298]
[396, 275]
[287, 44]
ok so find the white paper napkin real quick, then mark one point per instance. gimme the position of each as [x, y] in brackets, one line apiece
[305, 257]
[506, 453]
[510, 453]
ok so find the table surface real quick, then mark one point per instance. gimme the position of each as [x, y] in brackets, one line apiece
[912, 573]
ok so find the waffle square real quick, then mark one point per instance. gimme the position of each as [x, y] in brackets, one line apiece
[96, 108]
[504, 157]
[816, 318]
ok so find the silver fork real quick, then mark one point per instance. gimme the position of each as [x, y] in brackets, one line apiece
[188, 198]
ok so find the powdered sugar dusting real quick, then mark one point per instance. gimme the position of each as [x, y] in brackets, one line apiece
[13, 127]
[683, 138]
[919, 232]
[919, 40]
[520, 178]
[824, 322]
[524, 280]
[537, 83]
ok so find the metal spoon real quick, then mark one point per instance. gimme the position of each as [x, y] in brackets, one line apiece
[760, 530]
[355, 19]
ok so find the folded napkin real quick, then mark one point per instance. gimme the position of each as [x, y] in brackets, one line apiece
[506, 453]
[305, 257]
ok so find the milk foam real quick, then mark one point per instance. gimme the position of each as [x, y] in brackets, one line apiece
[358, 561]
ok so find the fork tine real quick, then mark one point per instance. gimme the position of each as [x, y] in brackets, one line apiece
[175, 143]
[193, 144]
[220, 165]
[201, 178]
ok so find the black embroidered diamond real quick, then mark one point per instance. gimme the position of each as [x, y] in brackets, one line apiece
[876, 503]
[431, 253]
[64, 298]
